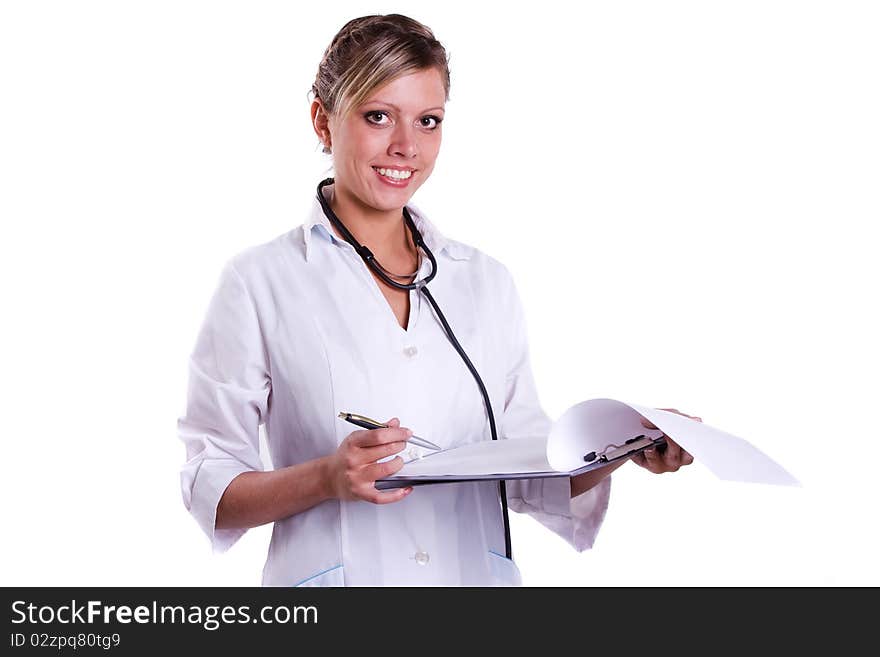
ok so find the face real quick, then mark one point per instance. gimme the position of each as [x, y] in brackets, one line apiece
[384, 150]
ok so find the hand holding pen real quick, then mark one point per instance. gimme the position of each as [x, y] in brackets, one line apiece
[353, 470]
[367, 423]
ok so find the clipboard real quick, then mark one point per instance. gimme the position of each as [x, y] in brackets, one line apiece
[587, 436]
[593, 461]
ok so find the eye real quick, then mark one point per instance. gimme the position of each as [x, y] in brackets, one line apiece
[431, 122]
[376, 118]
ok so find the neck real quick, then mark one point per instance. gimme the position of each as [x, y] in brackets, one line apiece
[383, 232]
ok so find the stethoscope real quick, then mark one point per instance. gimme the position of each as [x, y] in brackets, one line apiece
[421, 285]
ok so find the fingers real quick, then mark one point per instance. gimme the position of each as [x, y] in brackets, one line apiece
[372, 437]
[369, 493]
[683, 457]
[652, 461]
[359, 462]
[671, 456]
[356, 458]
[376, 452]
[358, 481]
[375, 471]
[663, 458]
[387, 497]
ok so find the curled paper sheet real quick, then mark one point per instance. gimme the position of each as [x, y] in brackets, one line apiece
[584, 433]
[599, 422]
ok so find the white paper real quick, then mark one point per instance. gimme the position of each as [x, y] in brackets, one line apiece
[726, 455]
[482, 459]
[597, 422]
[594, 425]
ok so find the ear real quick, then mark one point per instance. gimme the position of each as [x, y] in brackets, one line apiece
[321, 124]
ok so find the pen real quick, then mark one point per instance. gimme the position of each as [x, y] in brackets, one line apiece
[367, 423]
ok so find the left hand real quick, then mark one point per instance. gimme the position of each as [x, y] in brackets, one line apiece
[665, 458]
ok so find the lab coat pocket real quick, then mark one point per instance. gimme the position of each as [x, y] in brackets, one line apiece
[504, 571]
[330, 577]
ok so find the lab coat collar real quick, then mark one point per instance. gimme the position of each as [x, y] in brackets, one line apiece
[318, 227]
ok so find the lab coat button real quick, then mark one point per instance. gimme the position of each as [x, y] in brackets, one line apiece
[410, 352]
[422, 557]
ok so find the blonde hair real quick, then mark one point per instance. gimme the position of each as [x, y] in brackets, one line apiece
[371, 51]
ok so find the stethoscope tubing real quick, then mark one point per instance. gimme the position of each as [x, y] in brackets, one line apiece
[421, 285]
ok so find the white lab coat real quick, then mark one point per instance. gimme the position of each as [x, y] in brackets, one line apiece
[297, 331]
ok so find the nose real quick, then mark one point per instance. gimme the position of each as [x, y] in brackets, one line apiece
[403, 142]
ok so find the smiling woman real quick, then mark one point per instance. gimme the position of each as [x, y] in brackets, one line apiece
[386, 150]
[311, 324]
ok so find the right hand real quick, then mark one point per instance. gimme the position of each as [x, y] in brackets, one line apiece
[353, 467]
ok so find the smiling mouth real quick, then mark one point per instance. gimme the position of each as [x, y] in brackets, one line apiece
[394, 174]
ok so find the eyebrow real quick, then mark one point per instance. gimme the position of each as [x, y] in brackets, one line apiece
[393, 106]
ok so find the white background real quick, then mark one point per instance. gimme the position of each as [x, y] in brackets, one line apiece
[685, 192]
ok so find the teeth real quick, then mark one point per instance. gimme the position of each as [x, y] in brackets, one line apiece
[394, 173]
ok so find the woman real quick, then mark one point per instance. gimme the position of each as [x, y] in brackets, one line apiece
[301, 328]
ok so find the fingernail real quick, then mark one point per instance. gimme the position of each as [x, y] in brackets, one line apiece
[408, 490]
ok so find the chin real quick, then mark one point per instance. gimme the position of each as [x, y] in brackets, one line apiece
[389, 206]
[392, 200]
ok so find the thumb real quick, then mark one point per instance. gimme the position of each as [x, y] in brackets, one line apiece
[393, 422]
